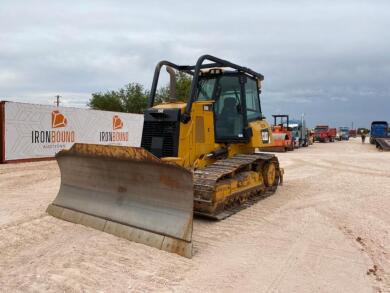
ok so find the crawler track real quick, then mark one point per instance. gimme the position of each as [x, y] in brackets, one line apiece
[206, 180]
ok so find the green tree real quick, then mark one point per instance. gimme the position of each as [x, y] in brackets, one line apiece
[132, 98]
[108, 101]
[162, 95]
[183, 88]
[363, 130]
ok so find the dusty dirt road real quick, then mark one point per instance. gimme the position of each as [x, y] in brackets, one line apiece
[326, 230]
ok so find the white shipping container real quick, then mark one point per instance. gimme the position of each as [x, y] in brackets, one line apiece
[31, 131]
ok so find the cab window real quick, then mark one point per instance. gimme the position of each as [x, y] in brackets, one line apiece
[229, 122]
[206, 89]
[253, 111]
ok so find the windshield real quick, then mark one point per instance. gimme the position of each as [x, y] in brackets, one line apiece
[320, 129]
[206, 89]
[206, 86]
[253, 111]
[282, 121]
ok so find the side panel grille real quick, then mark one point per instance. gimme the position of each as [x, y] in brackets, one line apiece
[161, 133]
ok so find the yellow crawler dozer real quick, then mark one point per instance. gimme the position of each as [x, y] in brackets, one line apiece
[196, 157]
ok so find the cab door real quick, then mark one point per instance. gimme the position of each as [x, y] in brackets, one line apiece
[229, 109]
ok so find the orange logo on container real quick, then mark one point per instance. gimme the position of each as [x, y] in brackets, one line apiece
[117, 123]
[58, 120]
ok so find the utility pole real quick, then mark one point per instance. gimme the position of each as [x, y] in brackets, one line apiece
[57, 101]
[352, 125]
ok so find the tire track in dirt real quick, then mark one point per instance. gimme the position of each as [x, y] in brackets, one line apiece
[334, 167]
[355, 167]
[68, 257]
[367, 244]
[298, 247]
[287, 242]
[217, 233]
[26, 233]
[29, 177]
[212, 233]
[370, 244]
[19, 167]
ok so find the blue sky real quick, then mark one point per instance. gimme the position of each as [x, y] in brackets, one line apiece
[328, 59]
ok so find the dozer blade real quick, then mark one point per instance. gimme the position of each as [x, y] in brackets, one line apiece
[127, 192]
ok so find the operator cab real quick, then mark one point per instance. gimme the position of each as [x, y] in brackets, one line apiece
[236, 103]
[282, 121]
[232, 92]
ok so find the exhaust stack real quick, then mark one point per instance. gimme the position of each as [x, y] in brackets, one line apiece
[172, 83]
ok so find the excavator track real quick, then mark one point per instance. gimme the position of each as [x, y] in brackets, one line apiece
[207, 180]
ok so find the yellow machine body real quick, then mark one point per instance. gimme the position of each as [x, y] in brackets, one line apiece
[197, 137]
[149, 194]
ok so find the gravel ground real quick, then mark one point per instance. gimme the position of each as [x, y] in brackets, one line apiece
[325, 230]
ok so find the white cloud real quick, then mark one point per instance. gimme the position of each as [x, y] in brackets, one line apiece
[311, 53]
[339, 99]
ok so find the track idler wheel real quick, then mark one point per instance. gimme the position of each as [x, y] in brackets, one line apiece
[269, 174]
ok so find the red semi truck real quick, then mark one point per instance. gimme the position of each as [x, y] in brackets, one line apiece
[323, 133]
[352, 133]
